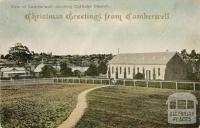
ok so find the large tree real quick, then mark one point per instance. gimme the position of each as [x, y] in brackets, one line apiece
[193, 54]
[92, 70]
[184, 54]
[65, 70]
[102, 68]
[48, 71]
[19, 53]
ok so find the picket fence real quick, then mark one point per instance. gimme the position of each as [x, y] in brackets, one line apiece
[195, 86]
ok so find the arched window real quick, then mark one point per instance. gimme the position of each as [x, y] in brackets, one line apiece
[158, 71]
[154, 73]
[116, 69]
[124, 72]
[129, 70]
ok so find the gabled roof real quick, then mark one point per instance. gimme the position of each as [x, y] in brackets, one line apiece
[9, 69]
[81, 69]
[160, 58]
[39, 68]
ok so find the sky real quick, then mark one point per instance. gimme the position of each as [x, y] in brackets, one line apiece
[61, 37]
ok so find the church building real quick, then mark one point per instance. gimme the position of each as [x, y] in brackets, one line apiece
[153, 66]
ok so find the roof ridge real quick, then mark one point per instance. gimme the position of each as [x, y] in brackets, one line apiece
[149, 52]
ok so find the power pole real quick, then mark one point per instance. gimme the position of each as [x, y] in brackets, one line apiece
[118, 51]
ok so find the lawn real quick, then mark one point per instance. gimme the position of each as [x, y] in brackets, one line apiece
[37, 106]
[128, 107]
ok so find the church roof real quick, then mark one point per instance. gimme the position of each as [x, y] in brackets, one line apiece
[160, 58]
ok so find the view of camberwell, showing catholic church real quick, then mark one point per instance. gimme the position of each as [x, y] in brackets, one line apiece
[154, 66]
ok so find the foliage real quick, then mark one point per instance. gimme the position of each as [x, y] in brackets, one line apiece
[20, 54]
[193, 62]
[77, 73]
[102, 68]
[65, 70]
[48, 71]
[139, 76]
[194, 76]
[2, 57]
[193, 54]
[184, 54]
[92, 70]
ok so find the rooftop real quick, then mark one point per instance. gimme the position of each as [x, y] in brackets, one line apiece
[160, 58]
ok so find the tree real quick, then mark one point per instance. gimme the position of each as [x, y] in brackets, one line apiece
[184, 54]
[2, 57]
[92, 70]
[102, 68]
[48, 71]
[193, 54]
[20, 54]
[77, 73]
[139, 76]
[65, 70]
[193, 76]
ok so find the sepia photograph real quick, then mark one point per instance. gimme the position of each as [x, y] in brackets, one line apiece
[99, 64]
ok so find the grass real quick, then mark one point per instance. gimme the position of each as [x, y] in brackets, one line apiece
[37, 106]
[128, 107]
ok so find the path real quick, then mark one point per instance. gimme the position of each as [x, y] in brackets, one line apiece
[78, 112]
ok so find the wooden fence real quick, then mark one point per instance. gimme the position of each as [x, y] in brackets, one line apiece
[195, 86]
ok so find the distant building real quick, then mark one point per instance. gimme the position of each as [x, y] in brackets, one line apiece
[14, 72]
[82, 70]
[6, 63]
[154, 66]
[37, 71]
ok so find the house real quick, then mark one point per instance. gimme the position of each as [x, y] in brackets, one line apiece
[154, 66]
[14, 72]
[37, 71]
[81, 70]
[6, 63]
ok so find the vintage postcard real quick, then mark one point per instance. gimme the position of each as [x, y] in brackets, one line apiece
[100, 64]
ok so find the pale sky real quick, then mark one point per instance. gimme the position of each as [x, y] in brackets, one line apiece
[181, 31]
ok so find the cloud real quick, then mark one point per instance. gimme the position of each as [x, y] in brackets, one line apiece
[182, 30]
[1, 1]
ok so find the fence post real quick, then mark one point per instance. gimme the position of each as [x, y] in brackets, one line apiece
[134, 83]
[194, 87]
[124, 83]
[24, 81]
[176, 85]
[160, 84]
[101, 81]
[109, 81]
